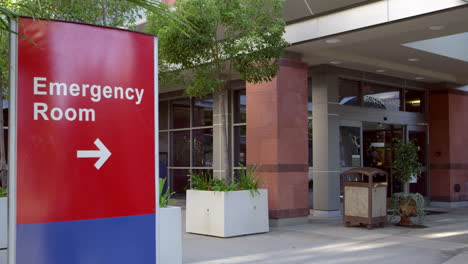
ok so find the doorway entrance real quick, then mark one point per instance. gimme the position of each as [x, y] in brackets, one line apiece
[379, 151]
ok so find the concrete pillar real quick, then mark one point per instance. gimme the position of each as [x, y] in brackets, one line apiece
[277, 140]
[448, 109]
[326, 156]
[221, 134]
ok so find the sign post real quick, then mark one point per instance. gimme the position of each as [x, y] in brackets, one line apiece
[82, 145]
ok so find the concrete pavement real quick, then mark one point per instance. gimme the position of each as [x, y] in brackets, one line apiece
[445, 241]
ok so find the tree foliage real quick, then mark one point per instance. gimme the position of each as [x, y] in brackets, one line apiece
[406, 162]
[113, 13]
[242, 36]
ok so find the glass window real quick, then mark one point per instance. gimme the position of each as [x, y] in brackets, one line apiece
[180, 113]
[180, 181]
[415, 101]
[163, 147]
[240, 103]
[309, 96]
[350, 146]
[381, 97]
[203, 112]
[240, 145]
[419, 138]
[180, 151]
[163, 115]
[310, 144]
[202, 147]
[349, 92]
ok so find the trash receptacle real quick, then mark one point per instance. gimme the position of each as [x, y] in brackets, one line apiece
[365, 197]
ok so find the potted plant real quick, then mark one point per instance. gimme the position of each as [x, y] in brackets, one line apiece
[170, 231]
[407, 166]
[407, 205]
[3, 217]
[215, 208]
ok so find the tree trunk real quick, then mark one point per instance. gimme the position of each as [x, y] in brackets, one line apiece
[406, 187]
[222, 142]
[223, 95]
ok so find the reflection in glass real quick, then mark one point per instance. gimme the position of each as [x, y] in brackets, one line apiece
[349, 92]
[202, 147]
[419, 138]
[164, 147]
[415, 101]
[382, 97]
[310, 144]
[179, 181]
[240, 103]
[203, 112]
[180, 113]
[350, 146]
[309, 96]
[163, 115]
[180, 151]
[240, 146]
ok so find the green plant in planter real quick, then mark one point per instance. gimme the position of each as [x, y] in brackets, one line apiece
[407, 205]
[205, 182]
[3, 192]
[164, 198]
[406, 163]
[245, 181]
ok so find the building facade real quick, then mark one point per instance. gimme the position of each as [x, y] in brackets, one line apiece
[356, 76]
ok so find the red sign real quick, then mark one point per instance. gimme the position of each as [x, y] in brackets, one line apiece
[85, 152]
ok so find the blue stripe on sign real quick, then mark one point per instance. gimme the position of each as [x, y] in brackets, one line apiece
[126, 240]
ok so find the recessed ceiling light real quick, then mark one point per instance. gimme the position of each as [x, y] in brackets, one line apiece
[381, 70]
[439, 27]
[333, 41]
[413, 59]
[336, 62]
[419, 78]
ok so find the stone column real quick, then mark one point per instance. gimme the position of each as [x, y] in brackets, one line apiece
[448, 110]
[326, 156]
[277, 140]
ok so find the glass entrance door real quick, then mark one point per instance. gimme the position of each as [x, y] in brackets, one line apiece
[418, 134]
[378, 147]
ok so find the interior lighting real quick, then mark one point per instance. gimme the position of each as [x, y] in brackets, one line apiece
[413, 59]
[415, 102]
[336, 62]
[380, 70]
[419, 78]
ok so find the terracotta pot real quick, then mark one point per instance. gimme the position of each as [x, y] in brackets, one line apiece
[407, 210]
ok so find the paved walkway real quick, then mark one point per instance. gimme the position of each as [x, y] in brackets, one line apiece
[327, 241]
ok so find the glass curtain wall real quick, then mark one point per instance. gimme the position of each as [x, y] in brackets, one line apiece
[309, 120]
[379, 96]
[239, 129]
[186, 139]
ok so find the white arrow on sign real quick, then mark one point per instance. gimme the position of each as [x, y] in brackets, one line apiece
[103, 154]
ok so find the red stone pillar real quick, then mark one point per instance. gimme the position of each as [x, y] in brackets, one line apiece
[448, 128]
[277, 138]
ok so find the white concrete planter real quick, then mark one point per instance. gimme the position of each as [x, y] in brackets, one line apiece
[227, 214]
[3, 222]
[170, 235]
